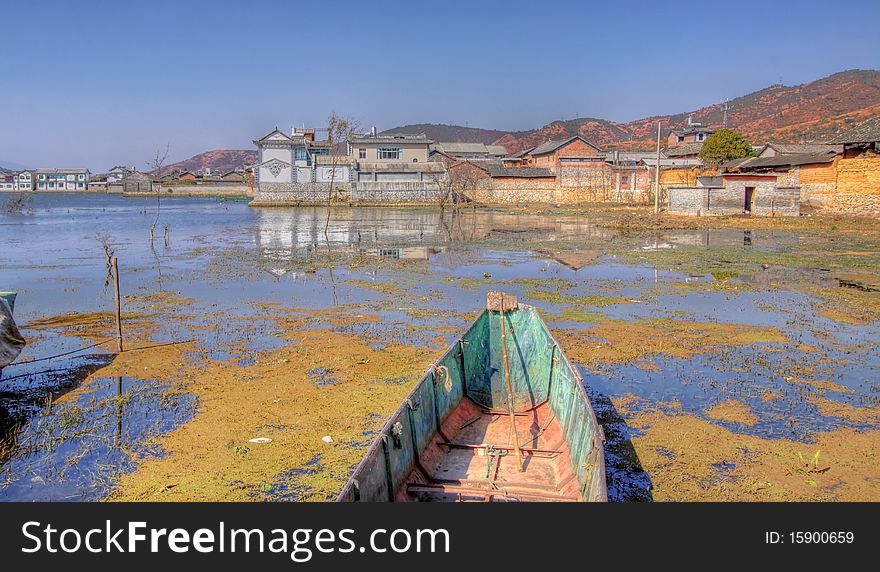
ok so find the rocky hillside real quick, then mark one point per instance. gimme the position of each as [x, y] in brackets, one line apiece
[218, 160]
[809, 112]
[813, 111]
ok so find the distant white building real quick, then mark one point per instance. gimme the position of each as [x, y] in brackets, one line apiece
[24, 181]
[61, 179]
[117, 173]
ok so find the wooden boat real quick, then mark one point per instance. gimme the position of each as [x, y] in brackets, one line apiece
[11, 340]
[501, 416]
[234, 199]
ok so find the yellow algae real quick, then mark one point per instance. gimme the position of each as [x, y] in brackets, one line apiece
[384, 287]
[211, 458]
[97, 326]
[557, 297]
[683, 455]
[619, 341]
[158, 300]
[732, 411]
[830, 408]
[849, 306]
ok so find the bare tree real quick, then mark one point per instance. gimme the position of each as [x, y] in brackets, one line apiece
[339, 130]
[21, 204]
[155, 167]
[105, 239]
[463, 180]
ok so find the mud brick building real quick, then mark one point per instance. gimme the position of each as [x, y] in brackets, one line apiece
[857, 171]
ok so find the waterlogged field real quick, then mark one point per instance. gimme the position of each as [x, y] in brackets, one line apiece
[728, 359]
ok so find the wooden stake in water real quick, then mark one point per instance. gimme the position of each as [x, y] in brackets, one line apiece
[515, 437]
[118, 306]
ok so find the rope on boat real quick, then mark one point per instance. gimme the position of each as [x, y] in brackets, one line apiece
[45, 358]
[63, 353]
[438, 369]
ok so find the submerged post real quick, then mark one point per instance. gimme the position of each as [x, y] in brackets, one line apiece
[118, 306]
[657, 175]
[510, 411]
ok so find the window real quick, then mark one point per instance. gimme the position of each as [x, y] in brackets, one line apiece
[680, 138]
[42, 177]
[388, 153]
[624, 179]
[700, 137]
[362, 153]
[81, 177]
[300, 154]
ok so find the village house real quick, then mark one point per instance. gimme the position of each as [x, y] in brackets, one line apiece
[842, 176]
[631, 176]
[7, 181]
[137, 182]
[394, 168]
[296, 168]
[61, 179]
[756, 194]
[691, 133]
[812, 172]
[857, 170]
[117, 173]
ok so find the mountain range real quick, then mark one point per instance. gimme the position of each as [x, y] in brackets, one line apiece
[812, 111]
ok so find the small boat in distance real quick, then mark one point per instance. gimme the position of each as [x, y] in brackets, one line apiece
[501, 416]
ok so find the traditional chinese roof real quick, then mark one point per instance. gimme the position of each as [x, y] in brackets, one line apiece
[551, 146]
[865, 132]
[797, 148]
[684, 150]
[792, 160]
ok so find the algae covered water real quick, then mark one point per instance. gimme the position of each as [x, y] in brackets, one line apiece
[719, 359]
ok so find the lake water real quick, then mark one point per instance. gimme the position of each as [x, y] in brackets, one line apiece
[232, 260]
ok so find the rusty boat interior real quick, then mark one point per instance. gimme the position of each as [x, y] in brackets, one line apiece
[502, 416]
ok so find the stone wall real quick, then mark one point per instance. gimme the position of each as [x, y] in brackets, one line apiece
[358, 193]
[223, 190]
[730, 200]
[395, 192]
[296, 193]
[516, 190]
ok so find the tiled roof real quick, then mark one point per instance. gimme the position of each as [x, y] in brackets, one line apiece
[792, 148]
[865, 132]
[783, 160]
[683, 150]
[551, 146]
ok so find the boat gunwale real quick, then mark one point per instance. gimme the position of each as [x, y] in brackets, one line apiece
[601, 493]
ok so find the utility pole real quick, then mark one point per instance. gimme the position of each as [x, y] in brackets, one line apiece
[657, 175]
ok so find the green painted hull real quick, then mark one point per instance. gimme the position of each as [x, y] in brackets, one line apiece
[471, 375]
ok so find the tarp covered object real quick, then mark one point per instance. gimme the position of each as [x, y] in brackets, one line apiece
[11, 341]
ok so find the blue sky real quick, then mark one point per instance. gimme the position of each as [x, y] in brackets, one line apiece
[101, 83]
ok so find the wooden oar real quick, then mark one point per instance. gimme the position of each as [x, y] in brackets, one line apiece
[515, 437]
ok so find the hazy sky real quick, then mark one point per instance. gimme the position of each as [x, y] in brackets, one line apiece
[101, 83]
